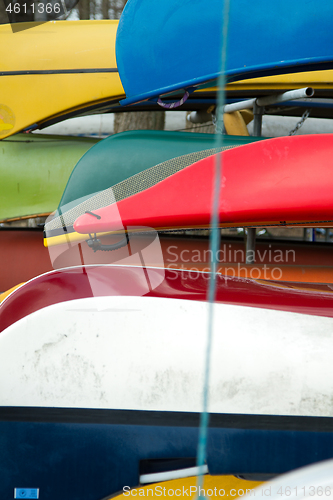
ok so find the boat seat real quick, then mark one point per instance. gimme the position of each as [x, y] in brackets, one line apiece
[235, 122]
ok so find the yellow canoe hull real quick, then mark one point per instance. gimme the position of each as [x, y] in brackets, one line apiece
[317, 79]
[54, 68]
[64, 68]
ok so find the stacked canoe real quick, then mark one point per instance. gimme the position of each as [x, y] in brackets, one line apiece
[103, 358]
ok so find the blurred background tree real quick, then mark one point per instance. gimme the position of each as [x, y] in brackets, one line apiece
[3, 15]
[112, 9]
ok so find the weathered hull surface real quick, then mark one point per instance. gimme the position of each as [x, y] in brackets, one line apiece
[103, 369]
[99, 378]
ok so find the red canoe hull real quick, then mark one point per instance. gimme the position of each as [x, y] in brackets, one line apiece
[282, 181]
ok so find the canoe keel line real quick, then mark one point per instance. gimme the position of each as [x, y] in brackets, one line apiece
[59, 71]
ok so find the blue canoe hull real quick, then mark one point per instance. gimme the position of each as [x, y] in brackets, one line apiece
[177, 45]
[91, 454]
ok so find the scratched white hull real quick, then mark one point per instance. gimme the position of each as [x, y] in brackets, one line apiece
[147, 353]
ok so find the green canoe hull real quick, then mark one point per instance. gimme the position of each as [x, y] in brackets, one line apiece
[34, 170]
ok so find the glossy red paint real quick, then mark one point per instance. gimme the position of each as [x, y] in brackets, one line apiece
[80, 282]
[286, 179]
[22, 256]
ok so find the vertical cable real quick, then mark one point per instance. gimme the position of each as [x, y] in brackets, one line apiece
[214, 245]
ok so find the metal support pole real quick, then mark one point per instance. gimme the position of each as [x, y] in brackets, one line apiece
[269, 100]
[307, 235]
[251, 231]
[257, 119]
[202, 116]
[327, 234]
[250, 245]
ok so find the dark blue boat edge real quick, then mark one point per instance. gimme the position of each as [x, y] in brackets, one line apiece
[73, 453]
[164, 418]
